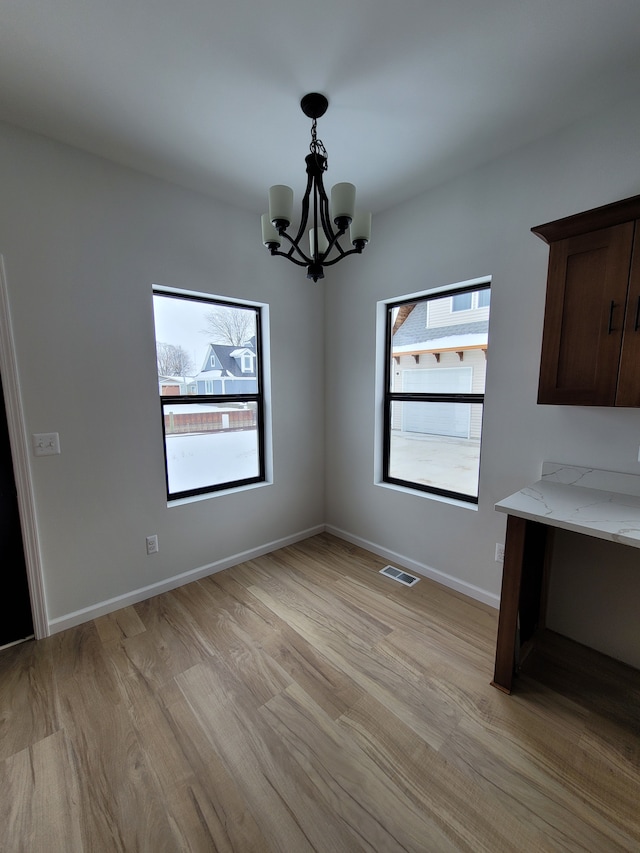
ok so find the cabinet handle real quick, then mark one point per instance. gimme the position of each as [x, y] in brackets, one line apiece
[611, 307]
[635, 326]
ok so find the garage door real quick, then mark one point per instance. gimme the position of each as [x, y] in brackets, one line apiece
[452, 419]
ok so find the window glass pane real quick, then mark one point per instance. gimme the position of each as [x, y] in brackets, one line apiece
[407, 327]
[461, 302]
[427, 335]
[207, 445]
[438, 346]
[484, 298]
[436, 380]
[205, 347]
[436, 445]
[207, 350]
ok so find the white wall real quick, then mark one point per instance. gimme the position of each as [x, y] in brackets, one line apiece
[475, 226]
[83, 241]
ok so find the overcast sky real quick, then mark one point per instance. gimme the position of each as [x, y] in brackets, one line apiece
[181, 322]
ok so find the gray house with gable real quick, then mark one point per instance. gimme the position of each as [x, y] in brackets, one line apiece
[228, 370]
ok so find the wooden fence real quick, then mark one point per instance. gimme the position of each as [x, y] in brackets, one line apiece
[197, 422]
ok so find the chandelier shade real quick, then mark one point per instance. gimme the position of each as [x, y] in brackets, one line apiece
[329, 220]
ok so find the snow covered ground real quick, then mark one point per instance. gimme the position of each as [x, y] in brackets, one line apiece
[436, 460]
[201, 460]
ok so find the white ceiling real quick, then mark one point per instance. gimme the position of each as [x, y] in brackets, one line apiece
[207, 94]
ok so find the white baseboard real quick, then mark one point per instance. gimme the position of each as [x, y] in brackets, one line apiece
[449, 581]
[69, 620]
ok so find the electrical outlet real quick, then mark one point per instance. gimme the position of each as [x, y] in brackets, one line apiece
[152, 545]
[499, 553]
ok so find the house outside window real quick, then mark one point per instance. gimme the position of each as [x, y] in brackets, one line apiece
[436, 349]
[483, 298]
[461, 302]
[213, 421]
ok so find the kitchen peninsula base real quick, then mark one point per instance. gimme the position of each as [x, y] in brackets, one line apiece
[602, 504]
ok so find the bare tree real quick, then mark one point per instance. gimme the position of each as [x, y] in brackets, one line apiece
[232, 326]
[173, 360]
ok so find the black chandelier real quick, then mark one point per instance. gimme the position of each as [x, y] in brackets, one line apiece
[330, 221]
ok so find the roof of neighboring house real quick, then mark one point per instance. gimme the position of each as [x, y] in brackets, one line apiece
[402, 314]
[228, 358]
[176, 380]
[414, 330]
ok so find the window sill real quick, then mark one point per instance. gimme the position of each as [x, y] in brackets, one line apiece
[417, 493]
[222, 492]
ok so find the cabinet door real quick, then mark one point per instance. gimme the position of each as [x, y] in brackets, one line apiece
[629, 375]
[584, 315]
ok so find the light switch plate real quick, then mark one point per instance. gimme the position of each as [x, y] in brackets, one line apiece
[46, 443]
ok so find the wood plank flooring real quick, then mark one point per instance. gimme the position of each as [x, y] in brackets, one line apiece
[303, 702]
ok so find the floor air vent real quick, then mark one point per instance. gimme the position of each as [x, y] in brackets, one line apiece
[397, 575]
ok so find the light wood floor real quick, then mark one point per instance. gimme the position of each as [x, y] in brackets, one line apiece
[303, 702]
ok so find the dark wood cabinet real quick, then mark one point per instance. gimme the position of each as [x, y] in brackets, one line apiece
[591, 337]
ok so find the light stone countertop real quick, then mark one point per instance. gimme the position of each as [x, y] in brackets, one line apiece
[604, 504]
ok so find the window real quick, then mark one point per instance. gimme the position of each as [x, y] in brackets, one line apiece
[468, 301]
[434, 391]
[484, 298]
[213, 427]
[461, 302]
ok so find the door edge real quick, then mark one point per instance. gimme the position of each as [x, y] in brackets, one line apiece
[21, 462]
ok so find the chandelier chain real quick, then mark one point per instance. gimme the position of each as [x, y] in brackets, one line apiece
[317, 146]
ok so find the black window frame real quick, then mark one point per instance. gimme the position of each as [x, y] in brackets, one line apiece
[391, 397]
[208, 399]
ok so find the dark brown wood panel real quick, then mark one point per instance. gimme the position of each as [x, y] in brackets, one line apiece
[628, 393]
[606, 216]
[584, 315]
[509, 603]
[522, 597]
